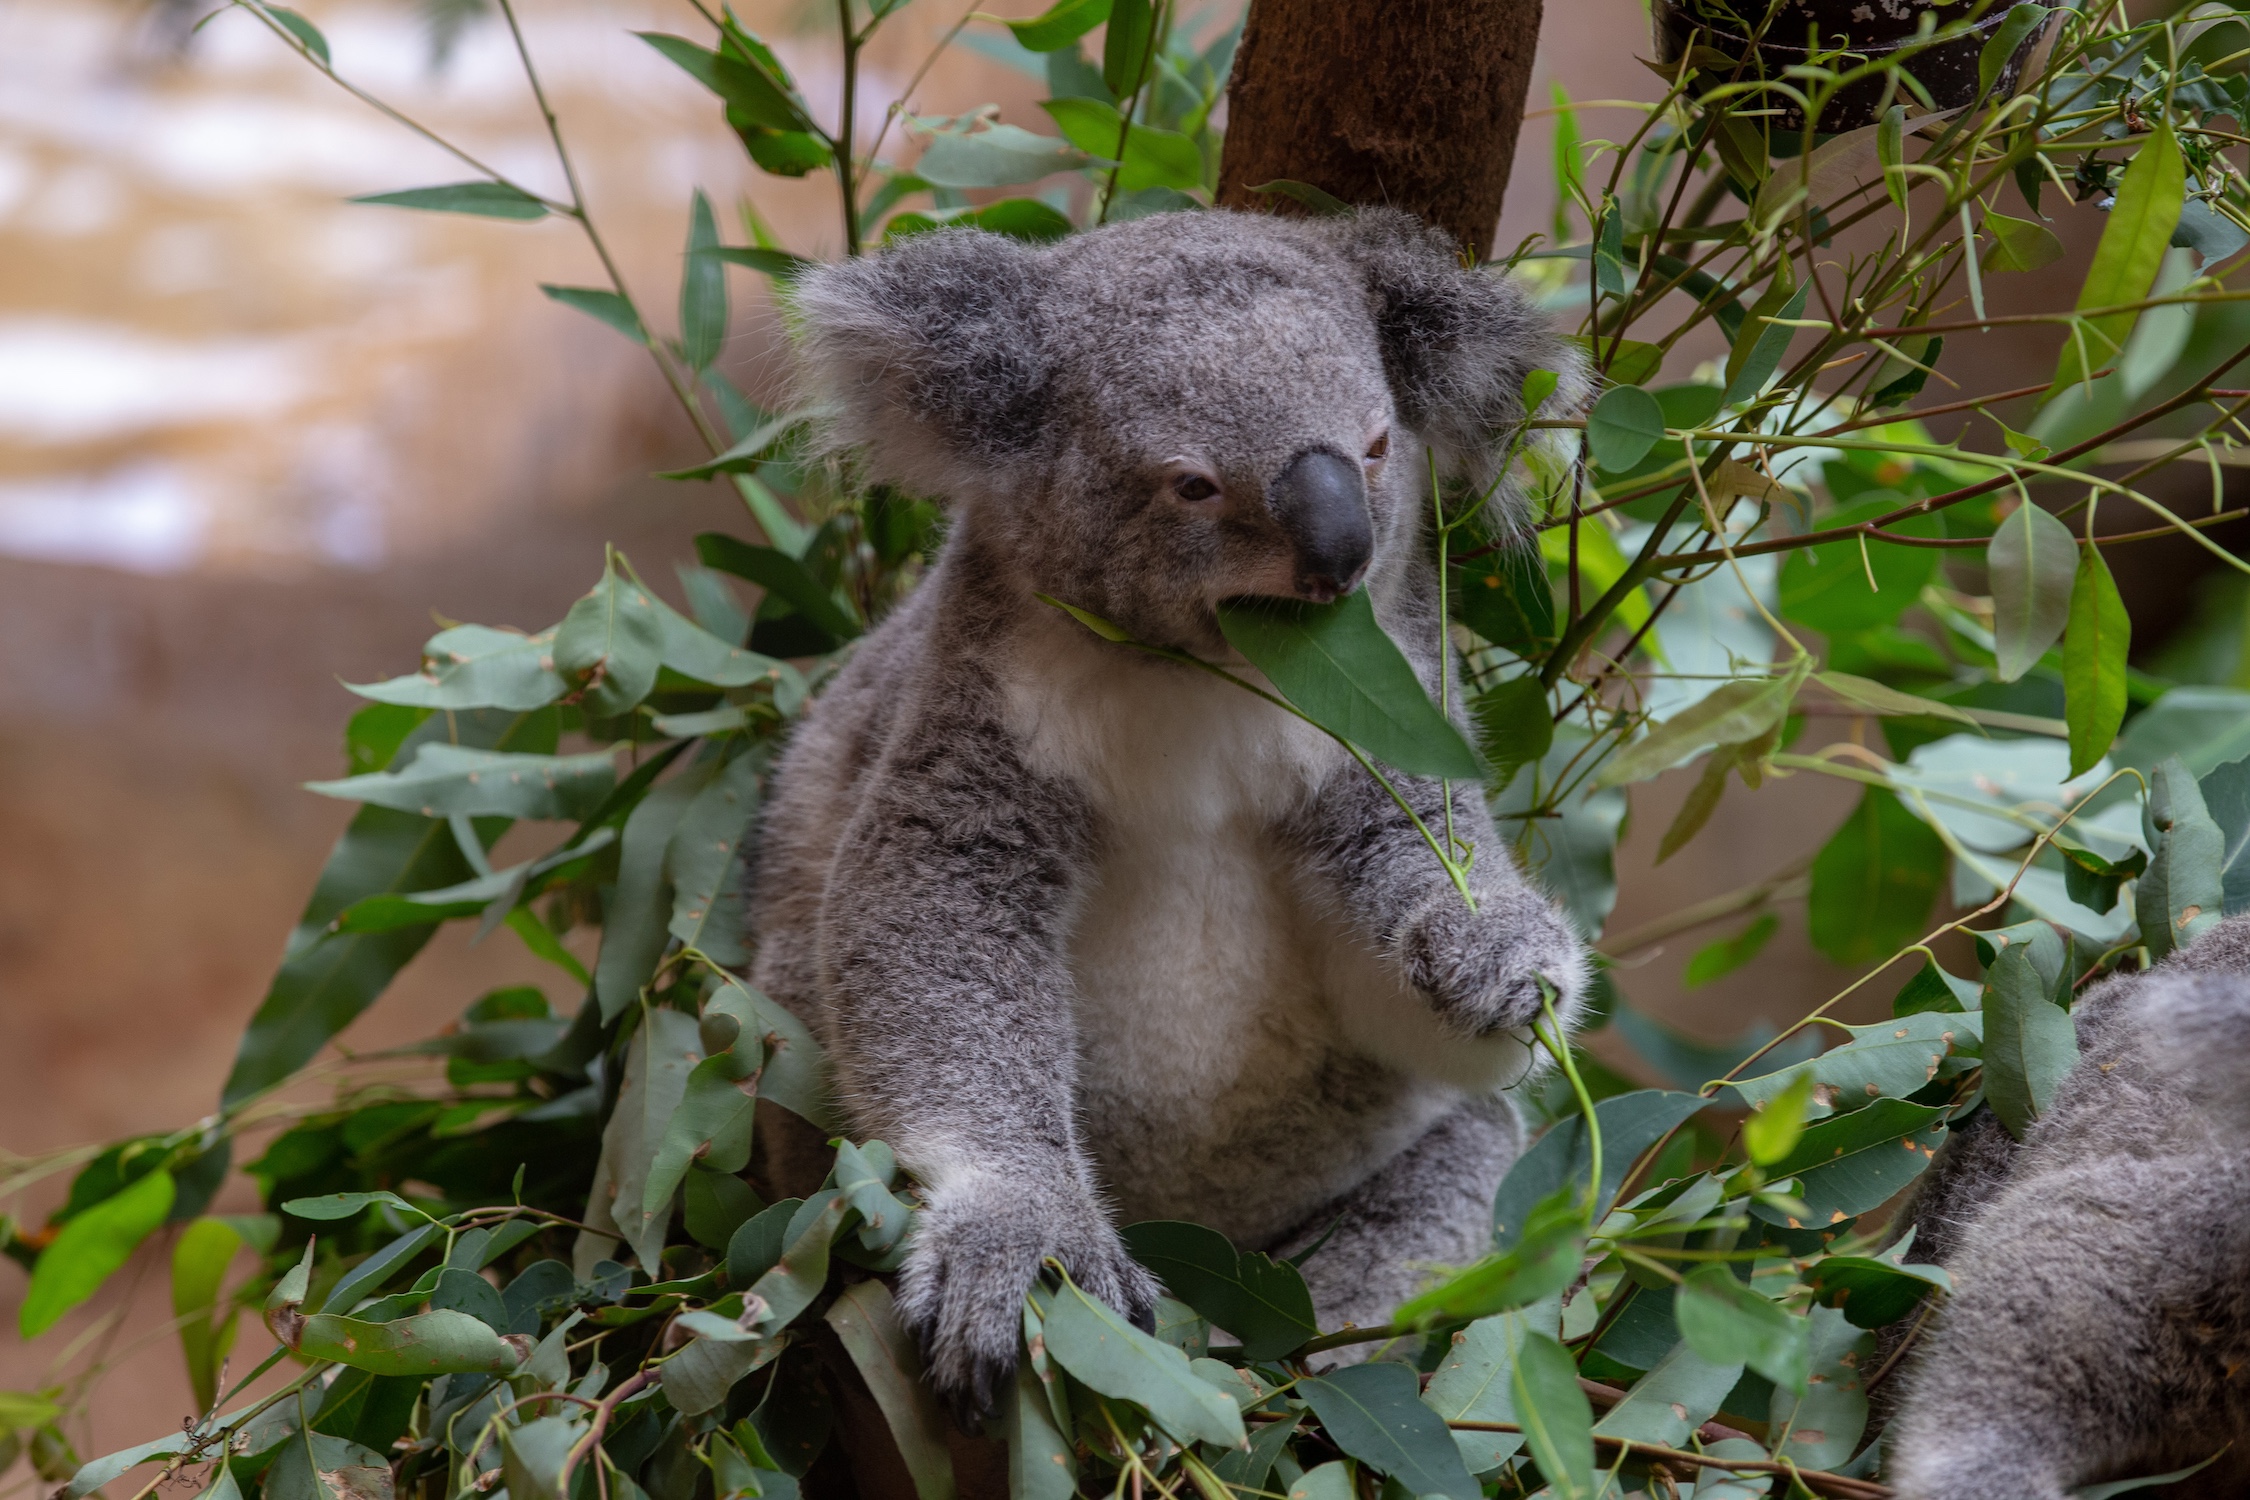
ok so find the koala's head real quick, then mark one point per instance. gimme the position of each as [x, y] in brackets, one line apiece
[1156, 416]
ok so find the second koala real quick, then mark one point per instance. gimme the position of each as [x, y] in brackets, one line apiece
[1093, 937]
[2099, 1327]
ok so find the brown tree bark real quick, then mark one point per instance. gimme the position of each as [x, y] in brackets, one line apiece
[1411, 103]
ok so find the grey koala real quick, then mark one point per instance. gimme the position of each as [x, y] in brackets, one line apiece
[1091, 936]
[2099, 1326]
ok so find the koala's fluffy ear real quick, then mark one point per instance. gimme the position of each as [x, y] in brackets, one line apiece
[928, 358]
[1457, 343]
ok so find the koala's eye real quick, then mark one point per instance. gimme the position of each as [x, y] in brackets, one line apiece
[1377, 449]
[1193, 487]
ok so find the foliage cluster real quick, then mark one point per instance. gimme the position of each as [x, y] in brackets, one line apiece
[525, 1256]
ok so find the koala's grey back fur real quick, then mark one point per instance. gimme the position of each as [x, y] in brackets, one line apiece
[2099, 1326]
[1093, 937]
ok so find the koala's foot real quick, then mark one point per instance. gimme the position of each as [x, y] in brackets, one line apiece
[978, 1247]
[1481, 969]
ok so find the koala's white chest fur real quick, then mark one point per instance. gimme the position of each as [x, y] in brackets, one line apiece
[1222, 1017]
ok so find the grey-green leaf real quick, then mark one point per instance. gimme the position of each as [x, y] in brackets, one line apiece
[488, 200]
[1375, 1413]
[446, 780]
[612, 640]
[1681, 1394]
[1820, 1428]
[599, 302]
[1729, 1323]
[1337, 666]
[867, 1325]
[703, 288]
[1261, 1302]
[1102, 1350]
[2029, 1043]
[635, 926]
[1558, 1424]
[2033, 563]
[1623, 425]
[475, 666]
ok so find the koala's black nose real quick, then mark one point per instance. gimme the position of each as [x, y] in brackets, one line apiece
[1320, 499]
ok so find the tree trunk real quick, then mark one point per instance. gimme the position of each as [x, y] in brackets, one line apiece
[1411, 103]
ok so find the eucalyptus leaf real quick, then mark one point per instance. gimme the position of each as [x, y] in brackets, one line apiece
[1558, 1424]
[1087, 1338]
[885, 1355]
[1622, 426]
[1261, 1302]
[1727, 1322]
[1375, 1413]
[487, 200]
[2033, 565]
[1336, 664]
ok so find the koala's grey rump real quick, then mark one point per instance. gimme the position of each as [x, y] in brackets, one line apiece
[1093, 937]
[2099, 1326]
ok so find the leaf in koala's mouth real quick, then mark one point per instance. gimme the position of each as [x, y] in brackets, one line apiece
[1334, 663]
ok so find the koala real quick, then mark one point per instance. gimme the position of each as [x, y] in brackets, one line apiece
[2099, 1326]
[1092, 936]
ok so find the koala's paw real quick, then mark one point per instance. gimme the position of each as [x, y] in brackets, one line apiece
[978, 1247]
[1482, 968]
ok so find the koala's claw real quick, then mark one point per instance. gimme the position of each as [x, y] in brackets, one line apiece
[977, 1252]
[1483, 968]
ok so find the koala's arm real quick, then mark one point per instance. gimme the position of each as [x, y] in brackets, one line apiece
[1479, 969]
[951, 1031]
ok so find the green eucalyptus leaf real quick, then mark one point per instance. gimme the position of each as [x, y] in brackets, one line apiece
[447, 780]
[1622, 426]
[2033, 564]
[1060, 24]
[1375, 1413]
[1759, 346]
[748, 86]
[1558, 1424]
[602, 304]
[1515, 722]
[1873, 1293]
[996, 156]
[474, 666]
[487, 200]
[1729, 1323]
[1850, 1163]
[91, 1247]
[1128, 46]
[1336, 664]
[2020, 244]
[1630, 1124]
[1504, 595]
[1472, 1385]
[2094, 647]
[611, 642]
[703, 288]
[1667, 1405]
[2139, 231]
[782, 576]
[704, 861]
[1262, 1302]
[795, 1075]
[886, 1357]
[1999, 50]
[636, 923]
[1106, 1353]
[1885, 1059]
[1729, 714]
[433, 1343]
[2183, 894]
[1820, 1426]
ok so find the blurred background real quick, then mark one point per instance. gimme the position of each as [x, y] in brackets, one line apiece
[253, 438]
